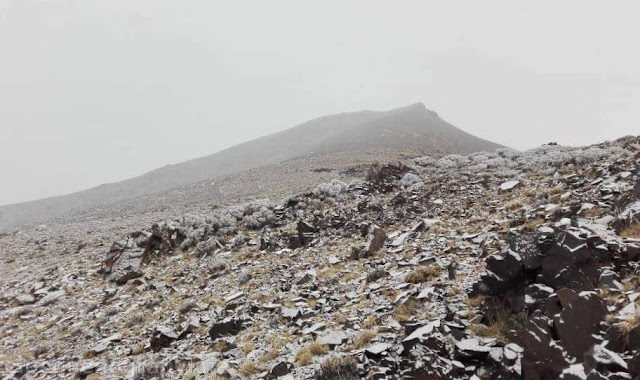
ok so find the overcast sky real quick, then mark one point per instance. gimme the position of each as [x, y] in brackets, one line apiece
[96, 91]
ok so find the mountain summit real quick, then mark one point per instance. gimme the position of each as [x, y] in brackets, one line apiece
[341, 140]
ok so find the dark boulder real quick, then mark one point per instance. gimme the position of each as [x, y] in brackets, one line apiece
[526, 246]
[572, 263]
[279, 370]
[162, 337]
[228, 326]
[579, 321]
[542, 358]
[504, 273]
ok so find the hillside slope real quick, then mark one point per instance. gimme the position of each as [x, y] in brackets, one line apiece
[412, 128]
[506, 265]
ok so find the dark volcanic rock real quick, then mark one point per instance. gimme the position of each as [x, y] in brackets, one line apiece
[229, 326]
[526, 246]
[162, 337]
[504, 273]
[579, 321]
[543, 358]
[280, 369]
[572, 263]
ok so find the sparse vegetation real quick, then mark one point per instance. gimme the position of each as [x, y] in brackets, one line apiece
[370, 322]
[363, 338]
[532, 224]
[338, 368]
[500, 325]
[514, 205]
[406, 310]
[423, 274]
[250, 368]
[376, 275]
[305, 355]
[632, 231]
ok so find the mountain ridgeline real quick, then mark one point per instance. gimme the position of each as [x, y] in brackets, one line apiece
[354, 137]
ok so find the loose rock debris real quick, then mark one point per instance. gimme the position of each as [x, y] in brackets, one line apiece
[504, 265]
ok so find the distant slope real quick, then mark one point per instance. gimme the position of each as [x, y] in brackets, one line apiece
[412, 128]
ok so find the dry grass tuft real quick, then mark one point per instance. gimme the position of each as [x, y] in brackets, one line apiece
[625, 327]
[341, 319]
[632, 231]
[350, 276]
[250, 368]
[345, 368]
[305, 355]
[317, 349]
[220, 345]
[268, 356]
[406, 310]
[556, 190]
[609, 297]
[363, 338]
[532, 224]
[500, 326]
[423, 274]
[475, 301]
[138, 349]
[376, 275]
[247, 348]
[328, 271]
[370, 322]
[514, 205]
[303, 358]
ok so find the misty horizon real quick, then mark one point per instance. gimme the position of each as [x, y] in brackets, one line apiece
[96, 93]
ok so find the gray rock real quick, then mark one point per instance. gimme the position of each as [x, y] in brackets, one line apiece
[25, 299]
[333, 338]
[506, 186]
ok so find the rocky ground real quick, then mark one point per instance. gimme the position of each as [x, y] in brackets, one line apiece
[501, 265]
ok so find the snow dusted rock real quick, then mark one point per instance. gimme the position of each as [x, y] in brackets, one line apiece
[52, 297]
[542, 356]
[332, 338]
[290, 313]
[600, 359]
[281, 369]
[378, 348]
[526, 247]
[504, 273]
[572, 262]
[509, 185]
[537, 312]
[609, 278]
[472, 348]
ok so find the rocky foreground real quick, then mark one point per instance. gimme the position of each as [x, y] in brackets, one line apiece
[503, 265]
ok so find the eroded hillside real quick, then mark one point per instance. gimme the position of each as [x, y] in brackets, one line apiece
[502, 265]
